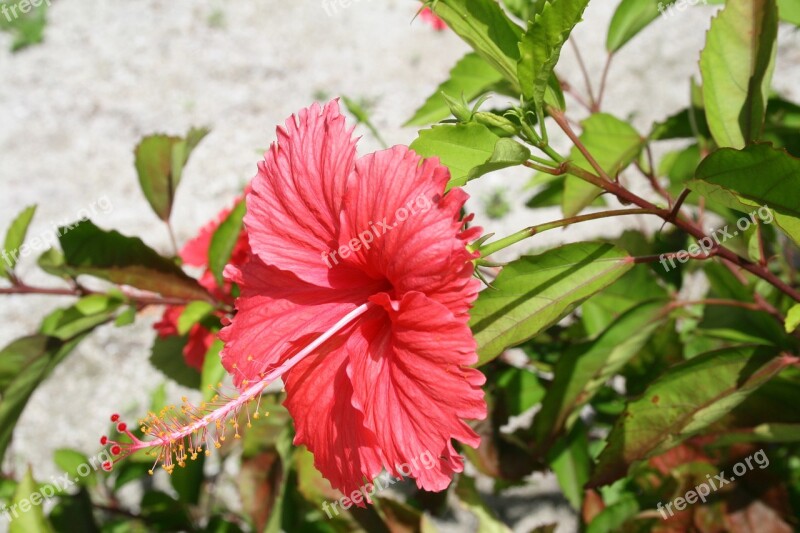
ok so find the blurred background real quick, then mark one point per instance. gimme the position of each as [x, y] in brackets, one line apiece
[73, 107]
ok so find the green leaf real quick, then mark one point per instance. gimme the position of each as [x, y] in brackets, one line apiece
[126, 317]
[519, 389]
[535, 292]
[540, 47]
[170, 514]
[74, 463]
[469, 496]
[615, 145]
[15, 237]
[65, 323]
[167, 356]
[75, 513]
[470, 77]
[583, 368]
[26, 511]
[487, 29]
[789, 11]
[759, 173]
[736, 67]
[460, 148]
[213, 371]
[683, 402]
[224, 241]
[631, 17]
[793, 318]
[188, 481]
[122, 260]
[761, 433]
[571, 463]
[24, 364]
[27, 29]
[160, 160]
[192, 314]
[687, 124]
[507, 153]
[612, 518]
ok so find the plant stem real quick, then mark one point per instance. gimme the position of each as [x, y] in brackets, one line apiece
[627, 197]
[533, 230]
[80, 291]
[585, 73]
[603, 80]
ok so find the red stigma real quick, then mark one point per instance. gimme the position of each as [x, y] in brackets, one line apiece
[122, 426]
[103, 440]
[107, 466]
[116, 450]
[114, 417]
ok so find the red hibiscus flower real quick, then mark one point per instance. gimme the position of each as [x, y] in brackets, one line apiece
[195, 253]
[357, 294]
[431, 18]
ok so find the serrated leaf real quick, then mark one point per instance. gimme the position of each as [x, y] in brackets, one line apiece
[470, 77]
[160, 160]
[759, 173]
[680, 404]
[615, 145]
[535, 292]
[460, 148]
[15, 237]
[540, 47]
[507, 153]
[224, 240]
[736, 67]
[109, 255]
[751, 178]
[487, 29]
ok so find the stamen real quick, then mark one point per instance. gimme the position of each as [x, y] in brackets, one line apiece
[181, 436]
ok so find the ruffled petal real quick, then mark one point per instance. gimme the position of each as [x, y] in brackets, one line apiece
[277, 316]
[293, 208]
[318, 396]
[407, 230]
[409, 376]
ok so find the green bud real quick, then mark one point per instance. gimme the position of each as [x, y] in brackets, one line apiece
[496, 121]
[460, 110]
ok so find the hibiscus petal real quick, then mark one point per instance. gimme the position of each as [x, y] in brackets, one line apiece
[409, 379]
[397, 201]
[293, 207]
[278, 315]
[318, 396]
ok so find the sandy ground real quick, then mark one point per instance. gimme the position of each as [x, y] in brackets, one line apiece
[74, 107]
